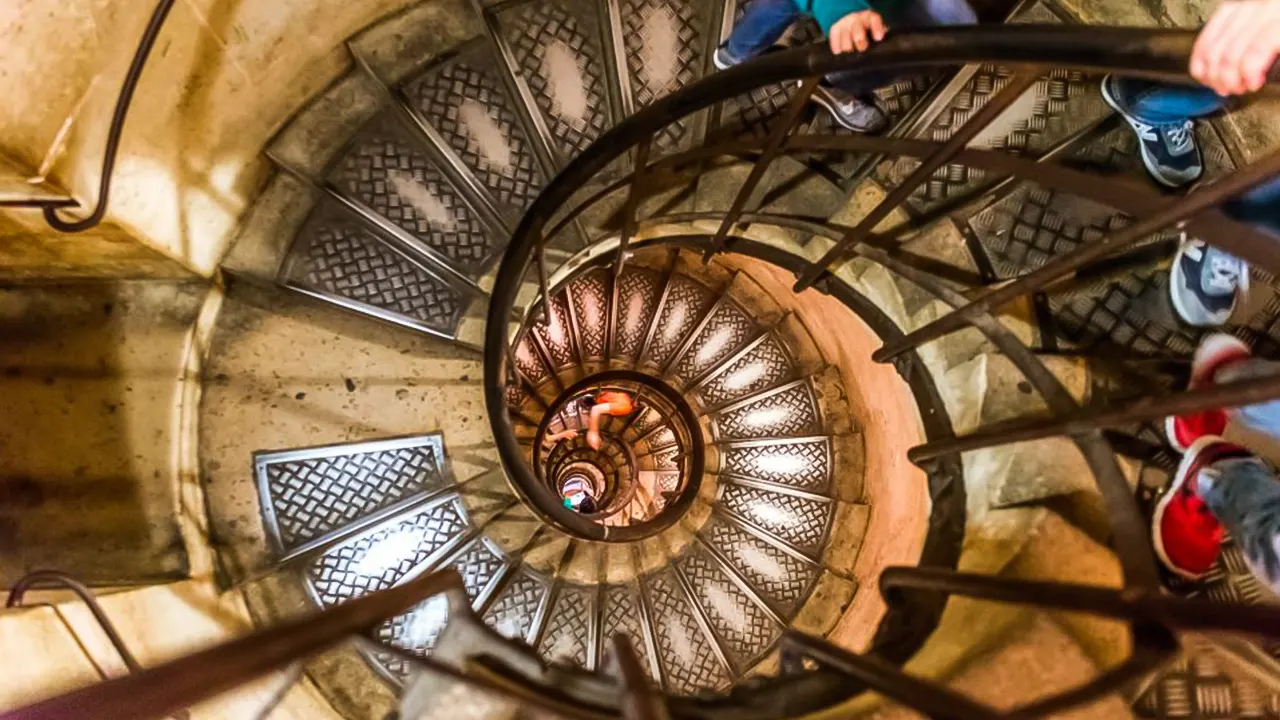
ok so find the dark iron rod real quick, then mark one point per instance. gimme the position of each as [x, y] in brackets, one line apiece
[994, 107]
[178, 684]
[1208, 198]
[777, 137]
[638, 701]
[634, 193]
[1235, 394]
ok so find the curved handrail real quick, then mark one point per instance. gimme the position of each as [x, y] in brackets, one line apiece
[63, 580]
[127, 88]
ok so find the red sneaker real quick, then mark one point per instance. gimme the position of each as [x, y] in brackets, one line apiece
[1215, 351]
[1186, 535]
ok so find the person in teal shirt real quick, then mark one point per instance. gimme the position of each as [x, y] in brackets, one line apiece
[850, 26]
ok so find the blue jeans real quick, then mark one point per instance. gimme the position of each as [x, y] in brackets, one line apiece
[764, 22]
[1244, 493]
[1163, 104]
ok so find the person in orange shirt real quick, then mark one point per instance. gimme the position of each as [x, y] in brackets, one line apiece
[606, 402]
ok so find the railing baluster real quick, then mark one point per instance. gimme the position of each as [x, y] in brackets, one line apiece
[1227, 395]
[772, 148]
[634, 193]
[929, 698]
[638, 701]
[544, 283]
[1007, 95]
[988, 300]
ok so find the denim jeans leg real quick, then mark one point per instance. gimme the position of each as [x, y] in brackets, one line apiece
[906, 14]
[1259, 207]
[762, 24]
[1260, 418]
[1244, 495]
[1162, 103]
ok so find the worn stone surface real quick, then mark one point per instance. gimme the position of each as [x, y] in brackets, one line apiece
[31, 252]
[92, 384]
[285, 372]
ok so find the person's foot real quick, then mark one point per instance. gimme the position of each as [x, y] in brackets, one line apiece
[723, 59]
[850, 111]
[1169, 151]
[1215, 352]
[1204, 283]
[1186, 535]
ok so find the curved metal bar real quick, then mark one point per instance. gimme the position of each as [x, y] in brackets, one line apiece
[63, 580]
[127, 89]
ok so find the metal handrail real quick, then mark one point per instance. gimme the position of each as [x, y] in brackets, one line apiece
[1153, 54]
[63, 580]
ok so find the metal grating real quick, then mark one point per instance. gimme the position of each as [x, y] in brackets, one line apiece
[789, 411]
[686, 302]
[381, 557]
[567, 638]
[801, 522]
[529, 362]
[385, 169]
[687, 655]
[1198, 687]
[780, 578]
[557, 54]
[764, 366]
[479, 565]
[621, 614]
[557, 333]
[638, 291]
[664, 51]
[726, 331]
[464, 100]
[801, 464]
[312, 495]
[415, 631]
[341, 261]
[590, 295]
[516, 607]
[745, 629]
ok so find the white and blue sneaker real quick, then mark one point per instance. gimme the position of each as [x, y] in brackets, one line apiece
[1204, 284]
[1169, 151]
[722, 59]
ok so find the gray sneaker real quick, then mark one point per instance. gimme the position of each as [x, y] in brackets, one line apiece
[1204, 284]
[850, 111]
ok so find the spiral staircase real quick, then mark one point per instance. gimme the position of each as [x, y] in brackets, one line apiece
[740, 517]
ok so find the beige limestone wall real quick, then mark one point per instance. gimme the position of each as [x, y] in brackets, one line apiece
[53, 649]
[224, 75]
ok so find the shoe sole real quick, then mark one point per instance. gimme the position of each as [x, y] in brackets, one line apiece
[1179, 479]
[1214, 350]
[1147, 161]
[835, 115]
[715, 60]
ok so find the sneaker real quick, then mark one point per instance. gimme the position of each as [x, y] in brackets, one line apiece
[1215, 352]
[851, 112]
[1168, 151]
[1186, 535]
[1204, 283]
[722, 59]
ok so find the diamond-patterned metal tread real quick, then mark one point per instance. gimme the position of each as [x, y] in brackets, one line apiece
[1197, 686]
[556, 49]
[380, 557]
[590, 295]
[311, 495]
[664, 42]
[746, 630]
[340, 260]
[621, 614]
[557, 333]
[725, 332]
[385, 169]
[686, 302]
[415, 631]
[801, 522]
[763, 366]
[516, 607]
[638, 290]
[464, 100]
[782, 579]
[567, 637]
[688, 657]
[479, 565]
[530, 362]
[801, 464]
[787, 411]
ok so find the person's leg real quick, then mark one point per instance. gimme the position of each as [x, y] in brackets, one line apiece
[763, 23]
[1259, 207]
[1244, 494]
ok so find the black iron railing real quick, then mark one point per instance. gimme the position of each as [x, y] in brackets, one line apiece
[1153, 54]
